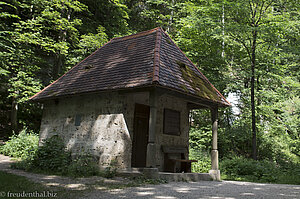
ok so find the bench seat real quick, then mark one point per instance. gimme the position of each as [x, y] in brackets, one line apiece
[170, 162]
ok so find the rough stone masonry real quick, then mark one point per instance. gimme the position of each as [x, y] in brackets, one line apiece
[102, 124]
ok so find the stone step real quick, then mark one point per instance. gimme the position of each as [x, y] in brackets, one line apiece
[130, 174]
[153, 173]
[184, 176]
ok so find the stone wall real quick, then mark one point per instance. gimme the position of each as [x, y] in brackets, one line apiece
[104, 124]
[178, 104]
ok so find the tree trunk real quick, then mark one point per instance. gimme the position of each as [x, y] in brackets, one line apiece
[57, 66]
[13, 115]
[253, 48]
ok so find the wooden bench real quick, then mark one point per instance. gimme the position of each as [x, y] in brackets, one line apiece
[178, 153]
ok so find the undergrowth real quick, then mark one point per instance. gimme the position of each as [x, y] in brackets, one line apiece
[51, 157]
[23, 146]
[243, 169]
[203, 164]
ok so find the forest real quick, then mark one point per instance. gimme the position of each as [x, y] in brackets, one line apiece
[248, 49]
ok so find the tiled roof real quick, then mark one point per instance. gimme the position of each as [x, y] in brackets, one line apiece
[143, 59]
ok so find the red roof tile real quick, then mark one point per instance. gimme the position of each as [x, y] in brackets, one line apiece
[138, 60]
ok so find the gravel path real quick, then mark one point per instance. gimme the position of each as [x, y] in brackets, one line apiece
[174, 190]
[60, 181]
[203, 189]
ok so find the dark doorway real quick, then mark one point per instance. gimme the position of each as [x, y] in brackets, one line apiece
[140, 135]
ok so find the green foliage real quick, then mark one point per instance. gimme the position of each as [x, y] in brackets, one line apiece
[52, 156]
[42, 39]
[83, 165]
[240, 168]
[39, 41]
[110, 171]
[23, 145]
[200, 138]
[204, 162]
[22, 86]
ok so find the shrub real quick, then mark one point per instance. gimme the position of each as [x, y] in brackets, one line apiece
[52, 156]
[111, 170]
[200, 138]
[83, 165]
[204, 163]
[24, 145]
[252, 170]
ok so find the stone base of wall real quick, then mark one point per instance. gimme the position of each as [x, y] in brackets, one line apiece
[153, 173]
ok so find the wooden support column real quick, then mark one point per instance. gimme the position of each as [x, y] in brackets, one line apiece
[151, 147]
[214, 172]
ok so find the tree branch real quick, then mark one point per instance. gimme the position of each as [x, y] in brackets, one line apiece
[262, 12]
[242, 42]
[251, 8]
[254, 13]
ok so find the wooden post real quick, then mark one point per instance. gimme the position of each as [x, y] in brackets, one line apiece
[214, 172]
[151, 147]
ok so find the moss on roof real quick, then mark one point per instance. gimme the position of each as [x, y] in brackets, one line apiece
[201, 87]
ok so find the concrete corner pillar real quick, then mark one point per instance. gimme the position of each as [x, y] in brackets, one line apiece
[151, 147]
[215, 172]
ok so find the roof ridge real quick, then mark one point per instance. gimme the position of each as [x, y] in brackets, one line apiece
[147, 32]
[157, 56]
[205, 78]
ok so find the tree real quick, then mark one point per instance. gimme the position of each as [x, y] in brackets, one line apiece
[250, 23]
[242, 47]
[148, 14]
[112, 15]
[37, 40]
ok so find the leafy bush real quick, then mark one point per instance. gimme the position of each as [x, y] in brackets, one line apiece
[24, 145]
[204, 163]
[110, 171]
[52, 156]
[200, 138]
[240, 168]
[83, 165]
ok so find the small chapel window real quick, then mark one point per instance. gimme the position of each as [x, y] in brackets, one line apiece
[171, 122]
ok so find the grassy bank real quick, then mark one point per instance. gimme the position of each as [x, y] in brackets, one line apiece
[12, 185]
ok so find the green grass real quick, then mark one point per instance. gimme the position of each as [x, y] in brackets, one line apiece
[11, 183]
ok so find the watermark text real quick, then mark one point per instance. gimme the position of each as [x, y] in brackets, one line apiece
[33, 194]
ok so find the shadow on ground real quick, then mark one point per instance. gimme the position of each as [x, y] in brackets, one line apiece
[98, 187]
[204, 189]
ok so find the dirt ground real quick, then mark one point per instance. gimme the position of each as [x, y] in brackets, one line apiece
[99, 187]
